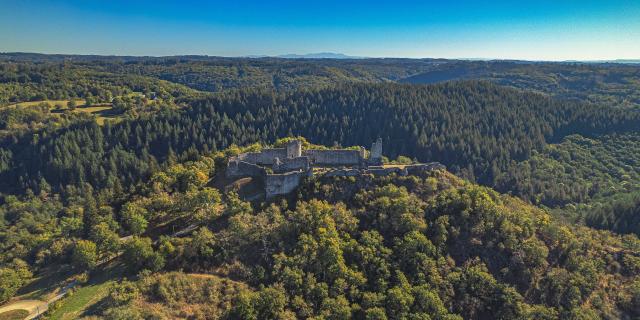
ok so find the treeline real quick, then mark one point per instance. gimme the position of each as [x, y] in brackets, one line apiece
[475, 128]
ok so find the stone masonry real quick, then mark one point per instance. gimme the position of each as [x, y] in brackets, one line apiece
[290, 165]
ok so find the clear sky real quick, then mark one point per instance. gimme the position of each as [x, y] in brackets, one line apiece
[514, 29]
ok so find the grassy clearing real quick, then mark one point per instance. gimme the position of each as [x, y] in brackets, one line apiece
[73, 306]
[102, 111]
[83, 298]
[14, 315]
[51, 103]
[187, 296]
[44, 286]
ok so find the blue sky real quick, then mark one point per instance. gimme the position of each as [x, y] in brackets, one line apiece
[533, 30]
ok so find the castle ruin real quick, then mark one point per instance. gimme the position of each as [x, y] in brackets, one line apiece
[282, 169]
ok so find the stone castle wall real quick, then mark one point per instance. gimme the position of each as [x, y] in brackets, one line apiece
[265, 157]
[279, 184]
[238, 168]
[292, 164]
[334, 157]
[381, 171]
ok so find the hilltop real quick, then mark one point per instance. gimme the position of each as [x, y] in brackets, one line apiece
[367, 246]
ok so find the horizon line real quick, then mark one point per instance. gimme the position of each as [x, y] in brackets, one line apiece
[305, 56]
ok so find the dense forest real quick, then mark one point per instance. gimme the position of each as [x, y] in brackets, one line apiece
[620, 214]
[26, 77]
[577, 170]
[125, 206]
[474, 128]
[606, 84]
[427, 246]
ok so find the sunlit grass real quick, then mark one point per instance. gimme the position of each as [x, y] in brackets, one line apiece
[14, 315]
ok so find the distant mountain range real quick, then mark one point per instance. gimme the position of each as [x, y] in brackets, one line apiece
[319, 55]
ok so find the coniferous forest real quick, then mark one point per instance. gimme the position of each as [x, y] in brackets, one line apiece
[111, 187]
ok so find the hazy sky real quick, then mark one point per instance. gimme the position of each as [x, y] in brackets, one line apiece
[515, 29]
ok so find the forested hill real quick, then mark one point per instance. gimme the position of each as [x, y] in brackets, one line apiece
[602, 83]
[423, 246]
[136, 215]
[26, 77]
[475, 128]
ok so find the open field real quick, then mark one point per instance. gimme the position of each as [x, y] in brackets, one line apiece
[14, 315]
[51, 103]
[34, 298]
[102, 111]
[24, 309]
[84, 297]
[46, 284]
[74, 305]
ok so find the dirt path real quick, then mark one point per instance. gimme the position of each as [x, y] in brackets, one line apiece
[38, 307]
[34, 307]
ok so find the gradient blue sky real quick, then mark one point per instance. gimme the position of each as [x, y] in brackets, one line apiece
[533, 30]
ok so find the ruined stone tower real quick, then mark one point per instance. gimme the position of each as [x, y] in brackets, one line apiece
[294, 149]
[376, 152]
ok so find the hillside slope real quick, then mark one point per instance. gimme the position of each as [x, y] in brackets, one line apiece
[430, 246]
[605, 84]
